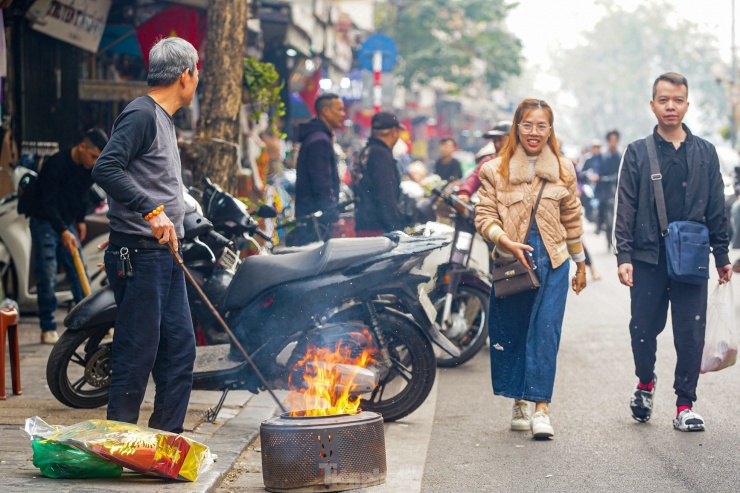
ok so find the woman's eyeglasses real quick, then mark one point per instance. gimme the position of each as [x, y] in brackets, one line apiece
[527, 128]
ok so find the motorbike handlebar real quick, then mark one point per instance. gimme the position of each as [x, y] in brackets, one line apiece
[262, 235]
[341, 207]
[453, 201]
[220, 239]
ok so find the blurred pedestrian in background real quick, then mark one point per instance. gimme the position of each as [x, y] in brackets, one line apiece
[525, 328]
[605, 177]
[58, 207]
[588, 183]
[447, 167]
[317, 180]
[499, 136]
[376, 180]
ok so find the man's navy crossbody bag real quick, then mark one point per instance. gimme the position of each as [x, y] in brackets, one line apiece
[686, 242]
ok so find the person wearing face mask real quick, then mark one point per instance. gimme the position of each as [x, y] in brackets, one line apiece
[525, 328]
[58, 222]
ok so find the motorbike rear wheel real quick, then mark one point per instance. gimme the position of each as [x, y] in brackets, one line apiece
[411, 376]
[469, 307]
[78, 371]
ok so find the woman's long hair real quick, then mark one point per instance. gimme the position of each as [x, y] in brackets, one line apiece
[524, 108]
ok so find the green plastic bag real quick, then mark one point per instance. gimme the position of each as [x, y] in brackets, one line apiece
[61, 461]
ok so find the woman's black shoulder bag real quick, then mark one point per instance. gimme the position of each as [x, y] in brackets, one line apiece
[510, 277]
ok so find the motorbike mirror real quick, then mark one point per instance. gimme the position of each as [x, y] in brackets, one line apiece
[209, 184]
[265, 211]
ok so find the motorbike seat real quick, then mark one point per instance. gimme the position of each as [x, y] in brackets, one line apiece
[262, 272]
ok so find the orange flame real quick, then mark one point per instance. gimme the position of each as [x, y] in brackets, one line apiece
[329, 378]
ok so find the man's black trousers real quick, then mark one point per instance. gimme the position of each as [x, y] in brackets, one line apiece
[154, 335]
[651, 294]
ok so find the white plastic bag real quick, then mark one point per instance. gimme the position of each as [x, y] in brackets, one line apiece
[720, 340]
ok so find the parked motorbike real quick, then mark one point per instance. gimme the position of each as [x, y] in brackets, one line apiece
[463, 286]
[16, 254]
[278, 306]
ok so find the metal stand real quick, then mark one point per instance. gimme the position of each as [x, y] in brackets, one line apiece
[212, 413]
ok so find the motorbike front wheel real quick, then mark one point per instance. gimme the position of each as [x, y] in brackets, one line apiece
[468, 328]
[78, 371]
[409, 380]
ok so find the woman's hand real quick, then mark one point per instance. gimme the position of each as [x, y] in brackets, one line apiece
[578, 283]
[517, 249]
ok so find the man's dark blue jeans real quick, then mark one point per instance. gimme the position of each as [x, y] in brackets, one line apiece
[48, 252]
[154, 334]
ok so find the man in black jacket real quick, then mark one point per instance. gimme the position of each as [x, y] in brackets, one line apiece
[378, 182]
[317, 178]
[693, 190]
[58, 222]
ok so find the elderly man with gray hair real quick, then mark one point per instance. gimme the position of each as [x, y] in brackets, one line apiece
[140, 171]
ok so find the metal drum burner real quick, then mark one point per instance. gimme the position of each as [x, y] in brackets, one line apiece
[323, 453]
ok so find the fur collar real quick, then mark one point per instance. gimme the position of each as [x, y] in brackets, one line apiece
[546, 167]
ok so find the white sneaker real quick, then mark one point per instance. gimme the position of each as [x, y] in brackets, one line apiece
[689, 420]
[520, 416]
[49, 337]
[541, 427]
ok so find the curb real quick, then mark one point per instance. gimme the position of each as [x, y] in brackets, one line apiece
[233, 437]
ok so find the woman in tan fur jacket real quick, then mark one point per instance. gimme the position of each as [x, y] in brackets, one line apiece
[525, 328]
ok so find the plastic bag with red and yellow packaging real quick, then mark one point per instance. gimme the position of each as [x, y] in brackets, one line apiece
[144, 450]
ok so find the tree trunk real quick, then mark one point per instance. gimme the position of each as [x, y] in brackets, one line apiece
[215, 149]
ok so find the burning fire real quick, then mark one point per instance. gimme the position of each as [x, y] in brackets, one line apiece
[331, 381]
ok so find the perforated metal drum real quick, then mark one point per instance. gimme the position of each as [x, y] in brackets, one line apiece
[323, 453]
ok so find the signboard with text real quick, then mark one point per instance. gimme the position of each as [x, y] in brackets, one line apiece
[77, 22]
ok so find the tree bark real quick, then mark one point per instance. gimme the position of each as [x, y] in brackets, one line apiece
[214, 151]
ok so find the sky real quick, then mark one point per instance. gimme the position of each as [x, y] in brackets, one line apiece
[546, 25]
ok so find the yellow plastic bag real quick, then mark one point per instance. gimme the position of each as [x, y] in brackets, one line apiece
[144, 450]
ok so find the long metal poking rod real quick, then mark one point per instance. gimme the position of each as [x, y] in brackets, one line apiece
[221, 322]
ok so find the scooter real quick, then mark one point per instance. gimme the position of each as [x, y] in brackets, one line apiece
[16, 256]
[280, 305]
[462, 291]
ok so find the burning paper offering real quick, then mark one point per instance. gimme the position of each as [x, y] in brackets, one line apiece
[330, 381]
[143, 450]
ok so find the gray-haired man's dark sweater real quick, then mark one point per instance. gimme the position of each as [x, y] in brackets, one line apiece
[139, 169]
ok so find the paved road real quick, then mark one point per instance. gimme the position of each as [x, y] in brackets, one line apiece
[459, 440]
[598, 447]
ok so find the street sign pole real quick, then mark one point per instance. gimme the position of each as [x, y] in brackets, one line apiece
[377, 70]
[378, 54]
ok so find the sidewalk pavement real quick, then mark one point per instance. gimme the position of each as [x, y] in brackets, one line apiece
[236, 426]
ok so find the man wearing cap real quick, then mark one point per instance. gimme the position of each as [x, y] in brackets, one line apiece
[500, 137]
[376, 180]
